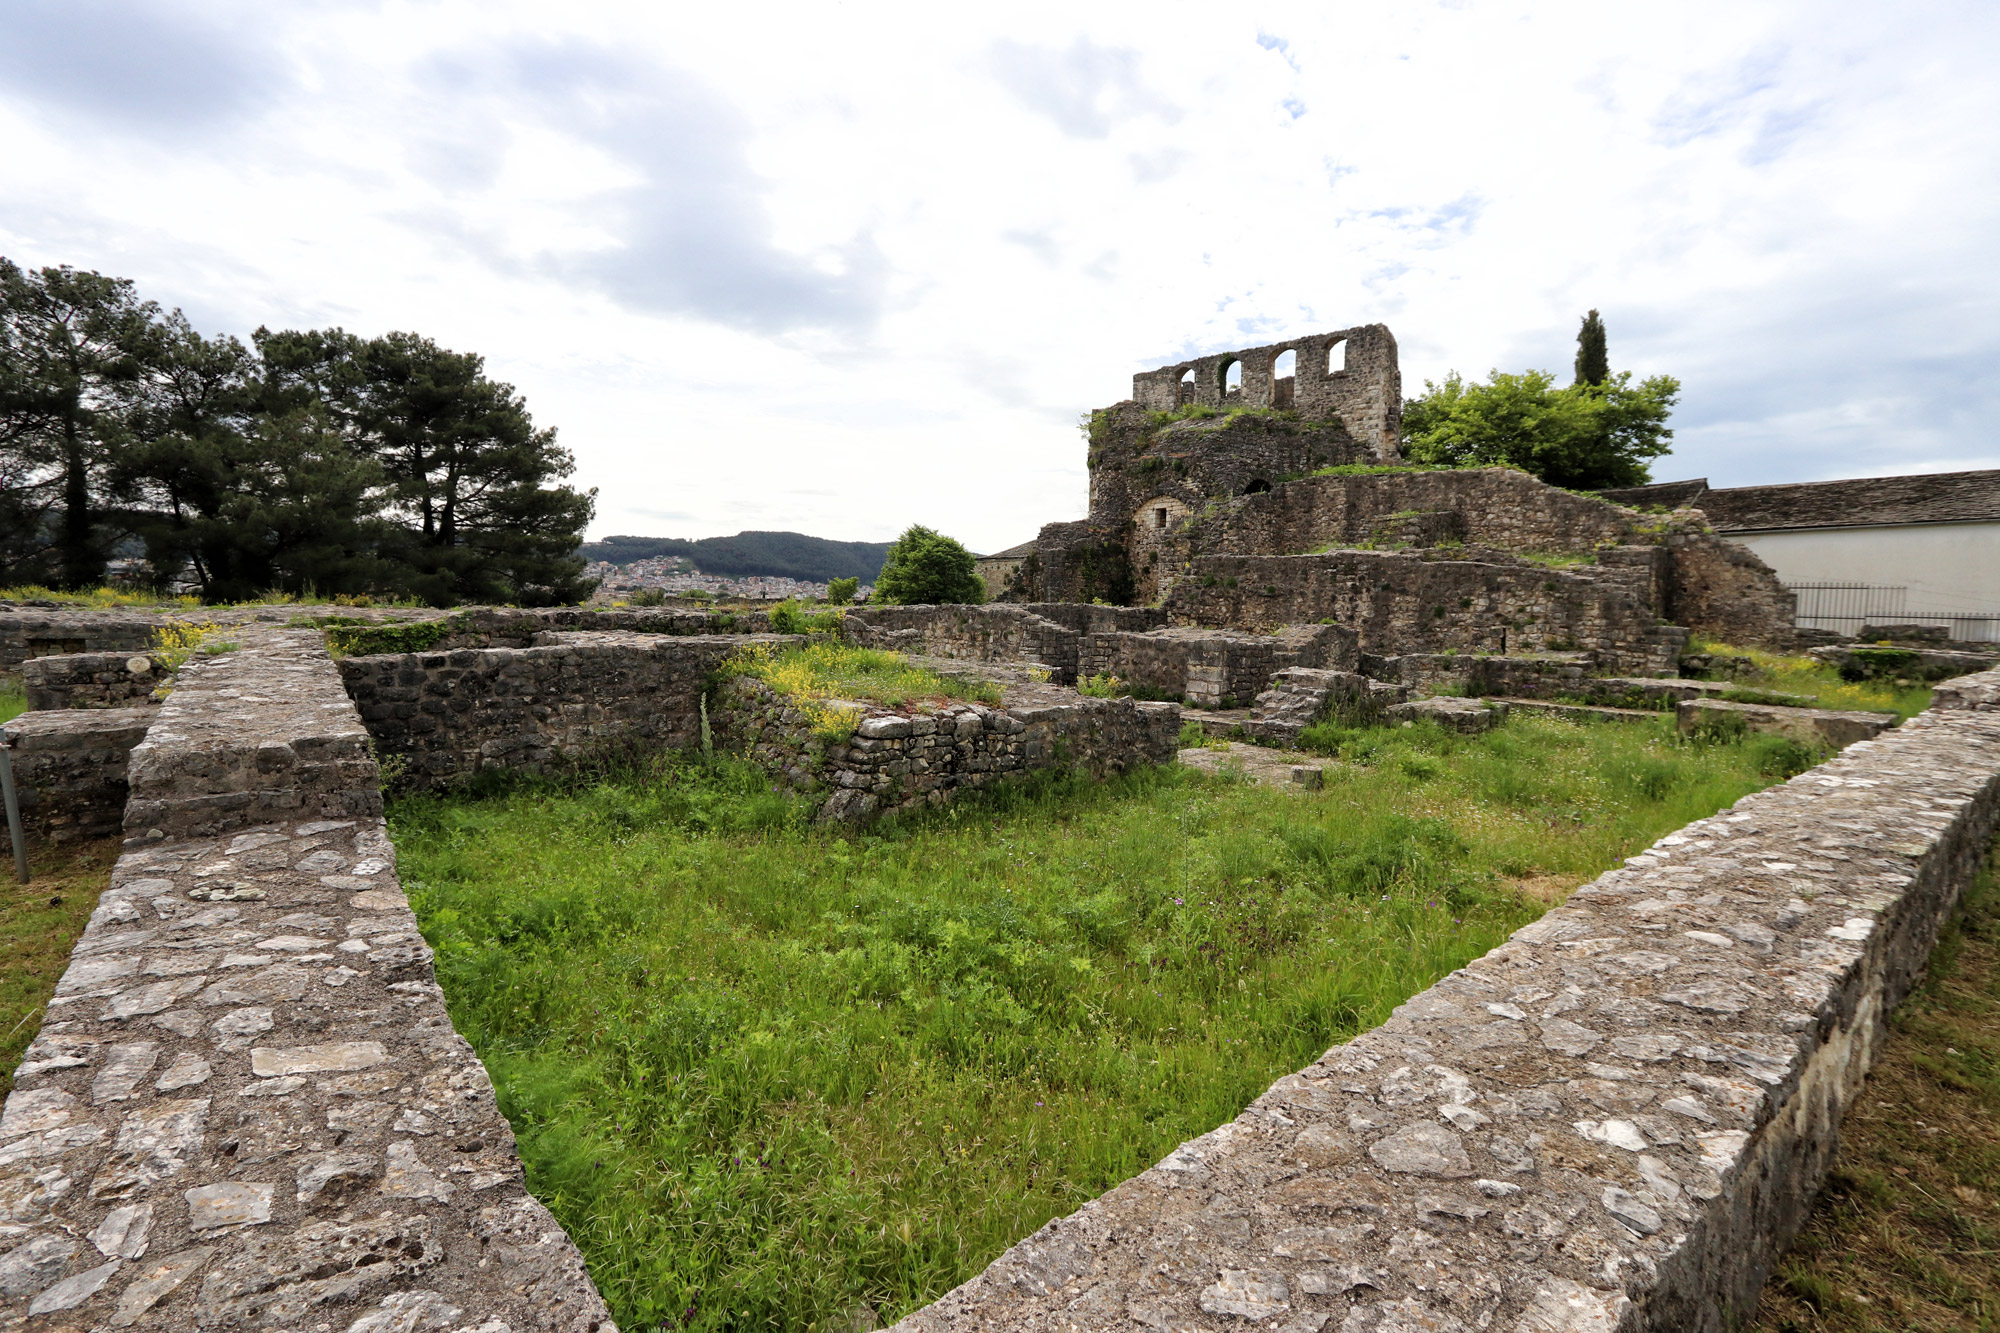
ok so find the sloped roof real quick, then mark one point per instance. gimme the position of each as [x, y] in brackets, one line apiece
[1020, 552]
[1856, 502]
[1936, 497]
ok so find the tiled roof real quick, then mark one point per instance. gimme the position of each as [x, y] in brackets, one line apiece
[1858, 502]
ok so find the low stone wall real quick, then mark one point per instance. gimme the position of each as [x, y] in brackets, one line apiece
[1815, 726]
[899, 760]
[995, 632]
[91, 680]
[1300, 696]
[1615, 1121]
[26, 633]
[1402, 603]
[252, 736]
[246, 1106]
[70, 768]
[450, 715]
[1214, 668]
[514, 627]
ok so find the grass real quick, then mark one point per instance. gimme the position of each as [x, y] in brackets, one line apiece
[39, 924]
[13, 699]
[104, 598]
[1822, 685]
[1906, 1233]
[773, 1076]
[816, 675]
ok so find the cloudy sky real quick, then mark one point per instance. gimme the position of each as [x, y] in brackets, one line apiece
[843, 267]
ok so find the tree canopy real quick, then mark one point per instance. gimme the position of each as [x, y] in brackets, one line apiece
[1599, 432]
[926, 567]
[310, 460]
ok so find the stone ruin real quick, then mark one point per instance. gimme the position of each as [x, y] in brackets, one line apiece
[247, 1107]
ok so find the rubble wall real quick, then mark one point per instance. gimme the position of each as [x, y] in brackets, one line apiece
[450, 715]
[246, 1106]
[1402, 604]
[1214, 668]
[91, 680]
[1617, 1120]
[28, 632]
[70, 768]
[903, 761]
[995, 632]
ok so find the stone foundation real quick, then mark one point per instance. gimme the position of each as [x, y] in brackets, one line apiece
[451, 715]
[91, 680]
[898, 760]
[33, 632]
[1213, 668]
[246, 1106]
[70, 768]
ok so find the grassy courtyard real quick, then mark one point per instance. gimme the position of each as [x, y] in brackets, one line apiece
[773, 1076]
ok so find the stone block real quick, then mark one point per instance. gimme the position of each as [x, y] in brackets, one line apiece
[1814, 726]
[1470, 716]
[72, 768]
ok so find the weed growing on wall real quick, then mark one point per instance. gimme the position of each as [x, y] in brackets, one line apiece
[817, 677]
[370, 638]
[769, 1075]
[177, 643]
[1815, 684]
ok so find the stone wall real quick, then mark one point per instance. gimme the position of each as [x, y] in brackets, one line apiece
[1726, 592]
[515, 627]
[994, 632]
[252, 736]
[246, 1106]
[1213, 668]
[1402, 603]
[70, 768]
[903, 761]
[451, 715]
[1615, 1121]
[1365, 391]
[91, 680]
[27, 632]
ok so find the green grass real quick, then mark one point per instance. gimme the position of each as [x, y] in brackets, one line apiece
[768, 1075]
[1821, 684]
[827, 669]
[39, 925]
[13, 699]
[1904, 1237]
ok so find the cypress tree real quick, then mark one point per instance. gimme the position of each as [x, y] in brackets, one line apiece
[1593, 365]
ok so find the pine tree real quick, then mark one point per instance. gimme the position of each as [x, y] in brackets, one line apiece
[1593, 364]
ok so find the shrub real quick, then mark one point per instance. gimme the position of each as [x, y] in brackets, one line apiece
[372, 640]
[925, 567]
[648, 597]
[787, 617]
[839, 592]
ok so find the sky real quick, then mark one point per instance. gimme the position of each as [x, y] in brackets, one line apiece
[839, 268]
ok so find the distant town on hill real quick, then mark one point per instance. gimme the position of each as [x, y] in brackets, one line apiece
[770, 554]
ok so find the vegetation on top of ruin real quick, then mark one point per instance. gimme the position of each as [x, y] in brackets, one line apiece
[13, 698]
[819, 677]
[1820, 685]
[309, 459]
[773, 1076]
[1905, 1231]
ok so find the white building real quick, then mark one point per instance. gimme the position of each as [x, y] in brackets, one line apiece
[1867, 551]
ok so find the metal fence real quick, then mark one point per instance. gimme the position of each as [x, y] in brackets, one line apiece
[1845, 608]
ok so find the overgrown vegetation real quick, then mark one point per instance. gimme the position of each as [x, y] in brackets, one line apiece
[97, 597]
[13, 699]
[39, 924]
[355, 637]
[177, 642]
[818, 677]
[1905, 1234]
[769, 1076]
[1818, 685]
[925, 567]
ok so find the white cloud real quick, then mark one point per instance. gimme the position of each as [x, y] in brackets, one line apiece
[841, 269]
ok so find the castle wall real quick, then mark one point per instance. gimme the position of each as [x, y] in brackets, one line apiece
[1402, 603]
[1213, 668]
[1366, 394]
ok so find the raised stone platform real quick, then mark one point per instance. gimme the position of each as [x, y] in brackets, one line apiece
[246, 1107]
[91, 680]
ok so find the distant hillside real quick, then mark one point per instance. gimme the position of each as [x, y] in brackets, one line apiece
[773, 554]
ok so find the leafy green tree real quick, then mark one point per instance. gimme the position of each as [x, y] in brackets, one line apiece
[1585, 436]
[926, 567]
[72, 346]
[840, 592]
[1593, 362]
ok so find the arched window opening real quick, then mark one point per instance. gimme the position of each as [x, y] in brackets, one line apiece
[1336, 357]
[1184, 394]
[1284, 378]
[1257, 487]
[1232, 379]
